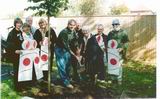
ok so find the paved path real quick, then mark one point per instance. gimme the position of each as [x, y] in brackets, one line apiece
[6, 71]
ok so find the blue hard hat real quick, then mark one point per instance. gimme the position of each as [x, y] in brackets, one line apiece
[115, 21]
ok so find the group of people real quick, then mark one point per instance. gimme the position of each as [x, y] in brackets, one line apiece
[75, 47]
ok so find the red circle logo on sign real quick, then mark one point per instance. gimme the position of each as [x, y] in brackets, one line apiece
[27, 45]
[113, 44]
[113, 61]
[26, 61]
[34, 44]
[44, 57]
[36, 60]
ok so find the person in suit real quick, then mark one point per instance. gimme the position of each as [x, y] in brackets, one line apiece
[79, 48]
[84, 40]
[95, 50]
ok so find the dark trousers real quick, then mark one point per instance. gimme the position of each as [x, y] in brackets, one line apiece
[45, 73]
[75, 65]
[22, 85]
[15, 77]
[94, 67]
[18, 85]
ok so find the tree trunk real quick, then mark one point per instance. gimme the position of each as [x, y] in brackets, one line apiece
[49, 56]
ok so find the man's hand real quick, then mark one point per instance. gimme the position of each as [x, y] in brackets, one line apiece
[18, 51]
[104, 49]
[41, 43]
[120, 49]
[79, 58]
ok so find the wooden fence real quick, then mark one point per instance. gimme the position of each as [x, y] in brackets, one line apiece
[141, 31]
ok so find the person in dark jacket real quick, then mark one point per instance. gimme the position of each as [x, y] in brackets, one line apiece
[84, 40]
[96, 47]
[78, 29]
[14, 42]
[76, 60]
[39, 36]
[63, 52]
[79, 48]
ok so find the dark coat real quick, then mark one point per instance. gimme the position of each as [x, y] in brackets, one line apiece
[80, 34]
[38, 37]
[82, 44]
[95, 56]
[14, 42]
[65, 38]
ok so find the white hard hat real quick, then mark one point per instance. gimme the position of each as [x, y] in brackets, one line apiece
[115, 21]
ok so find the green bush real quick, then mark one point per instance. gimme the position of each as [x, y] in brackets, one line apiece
[7, 91]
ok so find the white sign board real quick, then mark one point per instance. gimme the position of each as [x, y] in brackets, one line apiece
[44, 55]
[114, 65]
[27, 59]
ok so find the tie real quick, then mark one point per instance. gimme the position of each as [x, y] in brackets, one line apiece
[98, 38]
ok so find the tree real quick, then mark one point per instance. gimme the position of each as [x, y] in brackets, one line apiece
[48, 8]
[88, 7]
[118, 10]
[72, 9]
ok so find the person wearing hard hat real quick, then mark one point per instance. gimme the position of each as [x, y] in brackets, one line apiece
[122, 39]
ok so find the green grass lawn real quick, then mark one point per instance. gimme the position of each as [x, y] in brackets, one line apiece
[7, 91]
[139, 80]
